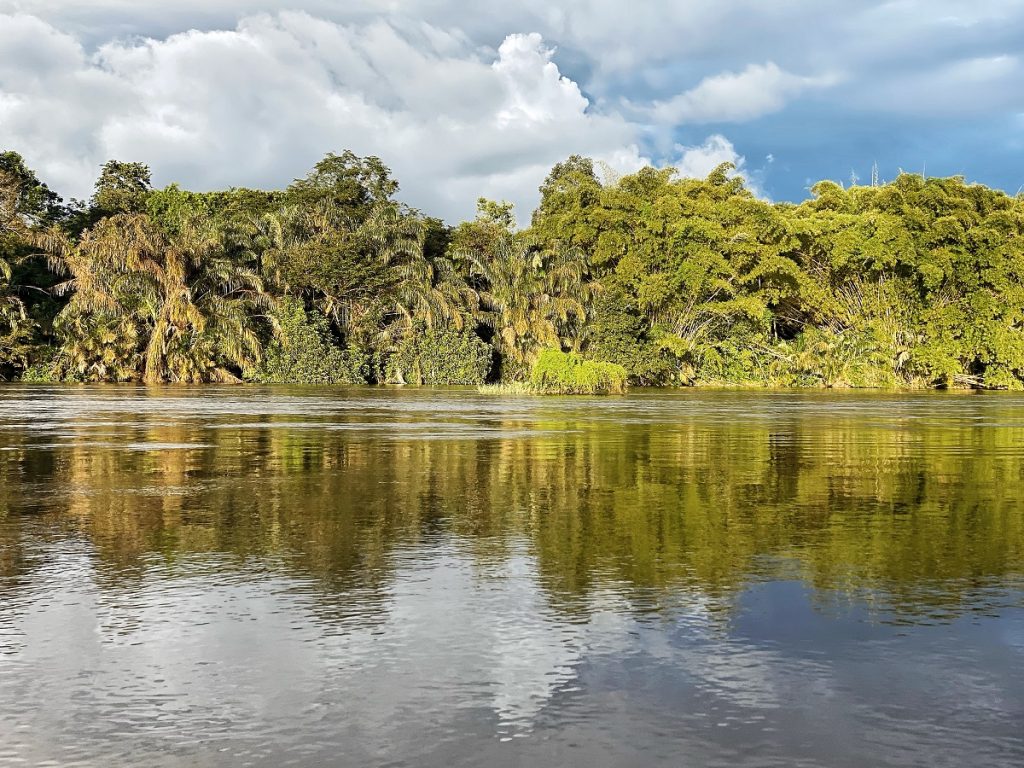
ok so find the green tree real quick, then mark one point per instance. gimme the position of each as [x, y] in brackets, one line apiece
[353, 184]
[569, 197]
[933, 268]
[35, 200]
[703, 262]
[121, 188]
[349, 269]
[530, 299]
[16, 213]
[187, 310]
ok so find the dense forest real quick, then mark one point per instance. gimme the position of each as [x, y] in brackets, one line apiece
[914, 283]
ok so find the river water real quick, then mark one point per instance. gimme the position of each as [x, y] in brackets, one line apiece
[379, 577]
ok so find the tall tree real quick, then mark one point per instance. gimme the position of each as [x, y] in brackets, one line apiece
[13, 233]
[121, 188]
[530, 299]
[34, 199]
[346, 182]
[161, 308]
[568, 198]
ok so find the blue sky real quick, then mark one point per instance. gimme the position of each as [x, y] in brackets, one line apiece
[469, 99]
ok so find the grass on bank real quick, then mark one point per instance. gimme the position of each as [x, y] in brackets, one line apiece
[566, 373]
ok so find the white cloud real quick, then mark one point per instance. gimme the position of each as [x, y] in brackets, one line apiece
[734, 97]
[698, 161]
[461, 104]
[259, 104]
[536, 93]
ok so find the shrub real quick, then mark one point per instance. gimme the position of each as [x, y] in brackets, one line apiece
[851, 358]
[440, 357]
[618, 334]
[304, 352]
[566, 373]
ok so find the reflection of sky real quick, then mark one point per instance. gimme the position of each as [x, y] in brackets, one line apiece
[476, 640]
[235, 663]
[209, 657]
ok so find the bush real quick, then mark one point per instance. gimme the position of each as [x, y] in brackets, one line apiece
[850, 358]
[564, 373]
[304, 352]
[42, 367]
[618, 334]
[440, 357]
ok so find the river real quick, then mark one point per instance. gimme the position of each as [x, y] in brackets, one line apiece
[399, 577]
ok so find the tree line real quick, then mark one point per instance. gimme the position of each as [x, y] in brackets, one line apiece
[918, 282]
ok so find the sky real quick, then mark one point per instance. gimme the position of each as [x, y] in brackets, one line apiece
[468, 99]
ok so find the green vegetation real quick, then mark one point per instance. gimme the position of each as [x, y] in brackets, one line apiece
[561, 373]
[915, 283]
[438, 357]
[508, 388]
[565, 373]
[302, 351]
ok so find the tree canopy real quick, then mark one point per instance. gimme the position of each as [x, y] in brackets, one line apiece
[917, 283]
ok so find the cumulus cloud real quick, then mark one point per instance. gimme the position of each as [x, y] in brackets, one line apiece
[698, 161]
[461, 104]
[758, 90]
[259, 104]
[536, 93]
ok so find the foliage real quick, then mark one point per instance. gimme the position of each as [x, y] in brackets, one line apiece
[15, 207]
[681, 281]
[159, 307]
[508, 388]
[97, 347]
[303, 352]
[121, 188]
[567, 373]
[617, 333]
[566, 196]
[530, 299]
[32, 198]
[43, 372]
[494, 223]
[353, 184]
[440, 357]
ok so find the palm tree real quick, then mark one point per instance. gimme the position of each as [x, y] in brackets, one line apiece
[369, 275]
[188, 307]
[345, 266]
[531, 299]
[98, 347]
[14, 324]
[427, 292]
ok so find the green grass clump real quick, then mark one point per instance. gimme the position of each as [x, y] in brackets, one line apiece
[564, 373]
[508, 388]
[567, 373]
